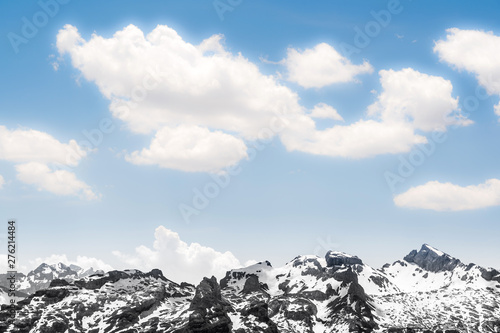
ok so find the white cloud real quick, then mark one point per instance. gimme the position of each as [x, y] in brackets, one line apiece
[28, 145]
[474, 51]
[325, 111]
[212, 102]
[178, 260]
[423, 100]
[2, 182]
[170, 81]
[81, 261]
[35, 151]
[450, 197]
[410, 101]
[191, 148]
[60, 182]
[160, 80]
[322, 66]
[365, 138]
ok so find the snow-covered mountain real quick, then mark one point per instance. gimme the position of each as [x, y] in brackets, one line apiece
[41, 277]
[440, 292]
[427, 291]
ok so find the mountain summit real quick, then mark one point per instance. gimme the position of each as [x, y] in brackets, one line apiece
[335, 258]
[428, 291]
[432, 259]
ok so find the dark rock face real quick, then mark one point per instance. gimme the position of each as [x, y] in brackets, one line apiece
[252, 284]
[258, 309]
[340, 259]
[306, 263]
[354, 305]
[379, 280]
[238, 275]
[432, 261]
[58, 283]
[294, 308]
[297, 298]
[209, 310]
[147, 291]
[207, 294]
[490, 274]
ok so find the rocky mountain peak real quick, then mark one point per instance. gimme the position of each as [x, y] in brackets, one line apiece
[308, 294]
[432, 260]
[335, 258]
[75, 268]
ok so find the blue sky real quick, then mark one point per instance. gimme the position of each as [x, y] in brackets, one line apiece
[318, 184]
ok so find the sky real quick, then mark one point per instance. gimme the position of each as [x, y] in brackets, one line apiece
[200, 136]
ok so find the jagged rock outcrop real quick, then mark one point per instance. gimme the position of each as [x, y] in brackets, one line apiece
[338, 293]
[334, 258]
[209, 310]
[41, 277]
[432, 260]
[115, 301]
[490, 274]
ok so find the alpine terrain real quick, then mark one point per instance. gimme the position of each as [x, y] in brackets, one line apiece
[427, 291]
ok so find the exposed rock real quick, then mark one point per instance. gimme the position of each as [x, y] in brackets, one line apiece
[380, 281]
[304, 296]
[258, 309]
[252, 284]
[490, 274]
[59, 283]
[209, 310]
[432, 260]
[334, 258]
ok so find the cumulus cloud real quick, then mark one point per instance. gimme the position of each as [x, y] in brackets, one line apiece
[28, 145]
[37, 154]
[178, 260]
[474, 51]
[410, 101]
[450, 197]
[325, 111]
[160, 80]
[2, 182]
[202, 104]
[365, 138]
[174, 82]
[322, 66]
[423, 100]
[81, 261]
[61, 182]
[191, 148]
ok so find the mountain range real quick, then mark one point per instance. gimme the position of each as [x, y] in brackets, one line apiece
[41, 277]
[427, 291]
